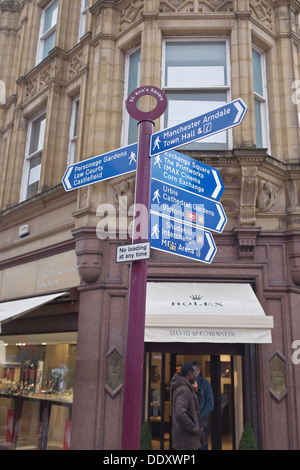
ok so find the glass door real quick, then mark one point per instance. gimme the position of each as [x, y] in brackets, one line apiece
[221, 374]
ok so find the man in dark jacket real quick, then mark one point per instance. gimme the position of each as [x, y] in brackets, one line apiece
[186, 419]
[207, 399]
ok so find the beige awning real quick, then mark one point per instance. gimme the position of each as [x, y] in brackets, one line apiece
[193, 312]
[15, 308]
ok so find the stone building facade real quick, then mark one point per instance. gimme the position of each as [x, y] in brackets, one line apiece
[66, 70]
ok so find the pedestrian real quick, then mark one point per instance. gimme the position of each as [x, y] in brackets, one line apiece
[187, 430]
[207, 398]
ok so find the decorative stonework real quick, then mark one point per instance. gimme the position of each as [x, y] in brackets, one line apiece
[124, 193]
[249, 191]
[266, 195]
[130, 13]
[38, 82]
[246, 238]
[114, 373]
[74, 65]
[262, 12]
[89, 254]
[278, 388]
[231, 207]
[195, 6]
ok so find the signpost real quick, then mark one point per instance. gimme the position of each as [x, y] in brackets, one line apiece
[93, 170]
[218, 120]
[184, 208]
[133, 374]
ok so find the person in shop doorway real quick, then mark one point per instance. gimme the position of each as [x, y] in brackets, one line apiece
[187, 432]
[202, 386]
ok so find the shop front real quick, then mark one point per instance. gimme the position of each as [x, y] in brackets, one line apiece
[37, 364]
[218, 325]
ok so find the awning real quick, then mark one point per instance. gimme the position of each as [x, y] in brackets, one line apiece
[193, 312]
[14, 308]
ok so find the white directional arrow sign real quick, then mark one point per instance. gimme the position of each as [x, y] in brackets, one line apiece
[200, 127]
[184, 206]
[178, 238]
[187, 173]
[108, 165]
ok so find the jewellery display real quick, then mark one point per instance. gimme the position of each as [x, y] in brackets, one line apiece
[7, 387]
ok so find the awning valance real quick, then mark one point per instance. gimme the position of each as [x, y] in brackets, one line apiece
[15, 308]
[205, 312]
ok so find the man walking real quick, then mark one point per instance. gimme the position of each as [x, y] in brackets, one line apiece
[186, 419]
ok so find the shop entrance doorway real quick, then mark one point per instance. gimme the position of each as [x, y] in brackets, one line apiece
[223, 370]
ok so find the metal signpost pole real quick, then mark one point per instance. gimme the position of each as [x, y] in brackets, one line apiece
[133, 379]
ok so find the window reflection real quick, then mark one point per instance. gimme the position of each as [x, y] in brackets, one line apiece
[36, 391]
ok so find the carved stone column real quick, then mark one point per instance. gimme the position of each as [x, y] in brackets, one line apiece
[249, 190]
[250, 160]
[88, 360]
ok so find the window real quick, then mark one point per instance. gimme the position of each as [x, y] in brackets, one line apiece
[73, 131]
[33, 157]
[82, 20]
[132, 73]
[36, 390]
[196, 81]
[260, 98]
[47, 30]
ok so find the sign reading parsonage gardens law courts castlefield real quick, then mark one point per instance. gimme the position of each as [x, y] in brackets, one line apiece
[218, 120]
[108, 165]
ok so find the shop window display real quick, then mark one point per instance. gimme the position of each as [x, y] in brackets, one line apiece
[36, 390]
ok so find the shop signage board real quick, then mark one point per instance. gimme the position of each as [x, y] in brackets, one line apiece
[182, 205]
[103, 167]
[179, 238]
[187, 173]
[222, 118]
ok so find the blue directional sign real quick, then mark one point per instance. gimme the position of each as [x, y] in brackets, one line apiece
[184, 206]
[181, 239]
[227, 116]
[108, 165]
[187, 173]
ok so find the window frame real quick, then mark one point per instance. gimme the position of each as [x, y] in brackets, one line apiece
[43, 36]
[125, 140]
[226, 88]
[72, 134]
[83, 18]
[262, 100]
[28, 157]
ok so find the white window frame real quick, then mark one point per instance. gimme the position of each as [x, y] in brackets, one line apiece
[47, 34]
[126, 117]
[83, 18]
[263, 100]
[225, 88]
[73, 131]
[28, 157]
